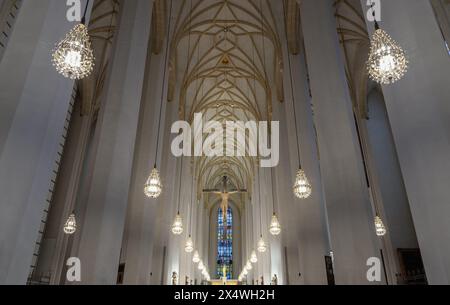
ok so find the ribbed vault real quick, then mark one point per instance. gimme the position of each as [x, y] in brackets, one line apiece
[226, 63]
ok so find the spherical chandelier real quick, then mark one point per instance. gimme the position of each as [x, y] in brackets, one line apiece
[379, 227]
[196, 257]
[177, 227]
[153, 187]
[189, 245]
[275, 227]
[73, 57]
[262, 245]
[253, 257]
[302, 187]
[387, 62]
[70, 227]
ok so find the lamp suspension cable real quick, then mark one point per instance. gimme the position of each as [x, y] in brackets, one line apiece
[83, 19]
[164, 83]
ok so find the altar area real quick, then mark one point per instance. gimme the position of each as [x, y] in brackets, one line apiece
[224, 283]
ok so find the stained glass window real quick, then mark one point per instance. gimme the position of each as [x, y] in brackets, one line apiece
[225, 244]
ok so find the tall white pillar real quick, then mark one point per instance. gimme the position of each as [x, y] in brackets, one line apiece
[103, 225]
[34, 104]
[346, 194]
[419, 112]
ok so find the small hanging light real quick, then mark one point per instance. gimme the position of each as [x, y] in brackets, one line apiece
[189, 245]
[245, 272]
[262, 245]
[177, 227]
[275, 227]
[254, 257]
[379, 227]
[70, 227]
[302, 187]
[153, 187]
[196, 257]
[73, 57]
[201, 266]
[249, 266]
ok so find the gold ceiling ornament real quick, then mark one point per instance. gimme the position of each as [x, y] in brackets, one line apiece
[254, 257]
[275, 227]
[73, 56]
[70, 227]
[177, 227]
[380, 229]
[262, 248]
[189, 247]
[302, 187]
[153, 187]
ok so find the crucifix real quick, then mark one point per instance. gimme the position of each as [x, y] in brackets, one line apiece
[225, 195]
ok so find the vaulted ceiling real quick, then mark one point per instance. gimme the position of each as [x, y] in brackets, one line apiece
[226, 63]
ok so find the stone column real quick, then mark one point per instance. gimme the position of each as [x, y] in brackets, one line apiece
[346, 194]
[34, 104]
[419, 112]
[102, 228]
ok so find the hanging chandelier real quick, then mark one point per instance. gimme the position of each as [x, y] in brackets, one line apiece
[387, 62]
[70, 227]
[379, 227]
[73, 56]
[253, 257]
[153, 187]
[262, 245]
[302, 187]
[196, 257]
[189, 245]
[177, 227]
[275, 227]
[245, 272]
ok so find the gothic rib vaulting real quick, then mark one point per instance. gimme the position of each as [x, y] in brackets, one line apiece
[118, 164]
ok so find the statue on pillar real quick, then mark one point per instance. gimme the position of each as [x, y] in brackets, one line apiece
[174, 279]
[275, 280]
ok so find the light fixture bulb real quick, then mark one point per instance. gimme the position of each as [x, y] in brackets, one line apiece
[387, 62]
[177, 227]
[262, 245]
[73, 57]
[254, 257]
[153, 187]
[201, 266]
[70, 227]
[379, 227]
[196, 257]
[275, 227]
[245, 272]
[249, 266]
[189, 245]
[302, 187]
